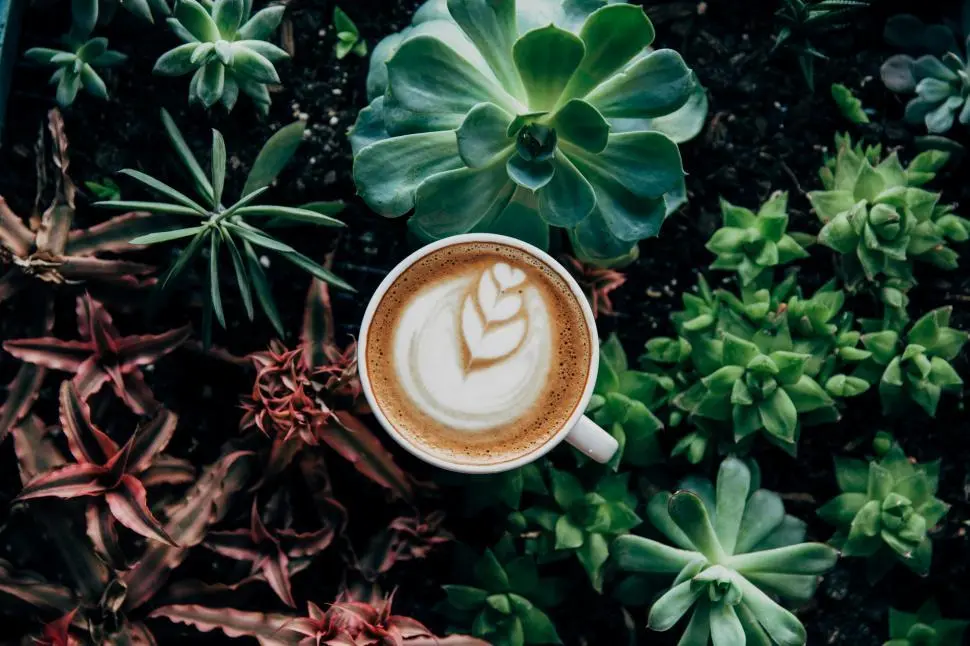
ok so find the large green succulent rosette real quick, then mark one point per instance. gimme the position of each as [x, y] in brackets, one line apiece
[492, 115]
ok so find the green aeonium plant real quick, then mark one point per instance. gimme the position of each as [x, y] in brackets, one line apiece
[875, 215]
[226, 49]
[886, 509]
[733, 551]
[215, 226]
[917, 369]
[511, 117]
[925, 627]
[752, 243]
[76, 66]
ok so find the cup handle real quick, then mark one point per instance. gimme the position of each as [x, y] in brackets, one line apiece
[592, 440]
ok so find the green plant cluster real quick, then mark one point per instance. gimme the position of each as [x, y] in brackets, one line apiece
[925, 626]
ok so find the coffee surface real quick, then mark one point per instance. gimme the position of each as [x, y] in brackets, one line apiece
[478, 353]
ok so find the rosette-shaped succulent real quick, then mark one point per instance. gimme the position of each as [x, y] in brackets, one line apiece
[76, 67]
[918, 370]
[226, 48]
[885, 511]
[925, 627]
[757, 388]
[750, 243]
[511, 117]
[875, 216]
[734, 549]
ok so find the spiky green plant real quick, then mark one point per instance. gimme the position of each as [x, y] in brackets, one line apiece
[215, 227]
[580, 521]
[874, 214]
[348, 36]
[733, 550]
[76, 66]
[925, 627]
[226, 49]
[886, 509]
[514, 117]
[750, 243]
[919, 369]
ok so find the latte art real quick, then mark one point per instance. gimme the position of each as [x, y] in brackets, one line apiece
[478, 352]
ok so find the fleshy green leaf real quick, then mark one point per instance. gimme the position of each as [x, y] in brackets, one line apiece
[546, 59]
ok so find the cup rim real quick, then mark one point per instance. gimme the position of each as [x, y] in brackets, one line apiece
[419, 451]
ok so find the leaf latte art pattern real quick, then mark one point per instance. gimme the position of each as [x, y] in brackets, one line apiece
[494, 322]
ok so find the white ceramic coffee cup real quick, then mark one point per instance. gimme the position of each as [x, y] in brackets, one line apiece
[579, 430]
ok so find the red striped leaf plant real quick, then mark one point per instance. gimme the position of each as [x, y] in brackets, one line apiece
[45, 250]
[102, 356]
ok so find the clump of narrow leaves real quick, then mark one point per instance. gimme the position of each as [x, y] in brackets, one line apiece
[733, 551]
[503, 604]
[75, 67]
[578, 521]
[88, 13]
[598, 283]
[348, 36]
[877, 218]
[885, 511]
[102, 356]
[227, 51]
[115, 476]
[924, 627]
[622, 403]
[751, 243]
[215, 227]
[516, 116]
[916, 369]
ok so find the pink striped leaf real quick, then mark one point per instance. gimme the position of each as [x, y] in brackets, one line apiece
[21, 393]
[69, 481]
[357, 444]
[87, 443]
[33, 589]
[14, 234]
[269, 629]
[129, 505]
[113, 235]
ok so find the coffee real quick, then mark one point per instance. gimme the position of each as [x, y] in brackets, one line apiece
[478, 353]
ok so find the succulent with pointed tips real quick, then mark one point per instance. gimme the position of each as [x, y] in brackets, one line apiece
[227, 51]
[885, 511]
[116, 475]
[925, 626]
[76, 67]
[514, 117]
[750, 243]
[734, 550]
[348, 36]
[918, 369]
[216, 227]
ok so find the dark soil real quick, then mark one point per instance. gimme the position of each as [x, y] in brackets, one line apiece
[766, 132]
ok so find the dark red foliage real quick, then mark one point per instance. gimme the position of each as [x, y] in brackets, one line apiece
[57, 633]
[407, 538]
[597, 283]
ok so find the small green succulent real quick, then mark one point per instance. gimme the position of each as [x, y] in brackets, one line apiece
[885, 511]
[622, 403]
[918, 370]
[755, 386]
[925, 627]
[849, 105]
[733, 550]
[750, 243]
[880, 222]
[85, 14]
[215, 227]
[505, 603]
[576, 521]
[76, 67]
[348, 36]
[226, 49]
[517, 116]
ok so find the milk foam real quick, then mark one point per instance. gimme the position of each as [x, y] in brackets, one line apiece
[473, 352]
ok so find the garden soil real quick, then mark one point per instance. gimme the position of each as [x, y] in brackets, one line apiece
[765, 132]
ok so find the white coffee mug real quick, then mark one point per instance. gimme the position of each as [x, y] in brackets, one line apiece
[579, 430]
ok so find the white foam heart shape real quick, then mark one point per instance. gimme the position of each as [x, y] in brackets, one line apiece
[507, 276]
[487, 330]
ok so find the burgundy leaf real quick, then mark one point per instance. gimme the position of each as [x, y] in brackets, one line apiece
[348, 436]
[268, 629]
[90, 377]
[88, 443]
[14, 234]
[597, 283]
[317, 336]
[114, 234]
[102, 530]
[36, 451]
[140, 635]
[276, 569]
[55, 223]
[21, 393]
[69, 481]
[31, 588]
[50, 352]
[57, 632]
[236, 544]
[451, 640]
[132, 389]
[330, 511]
[128, 503]
[151, 439]
[169, 470]
[302, 545]
[203, 505]
[145, 350]
[109, 272]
